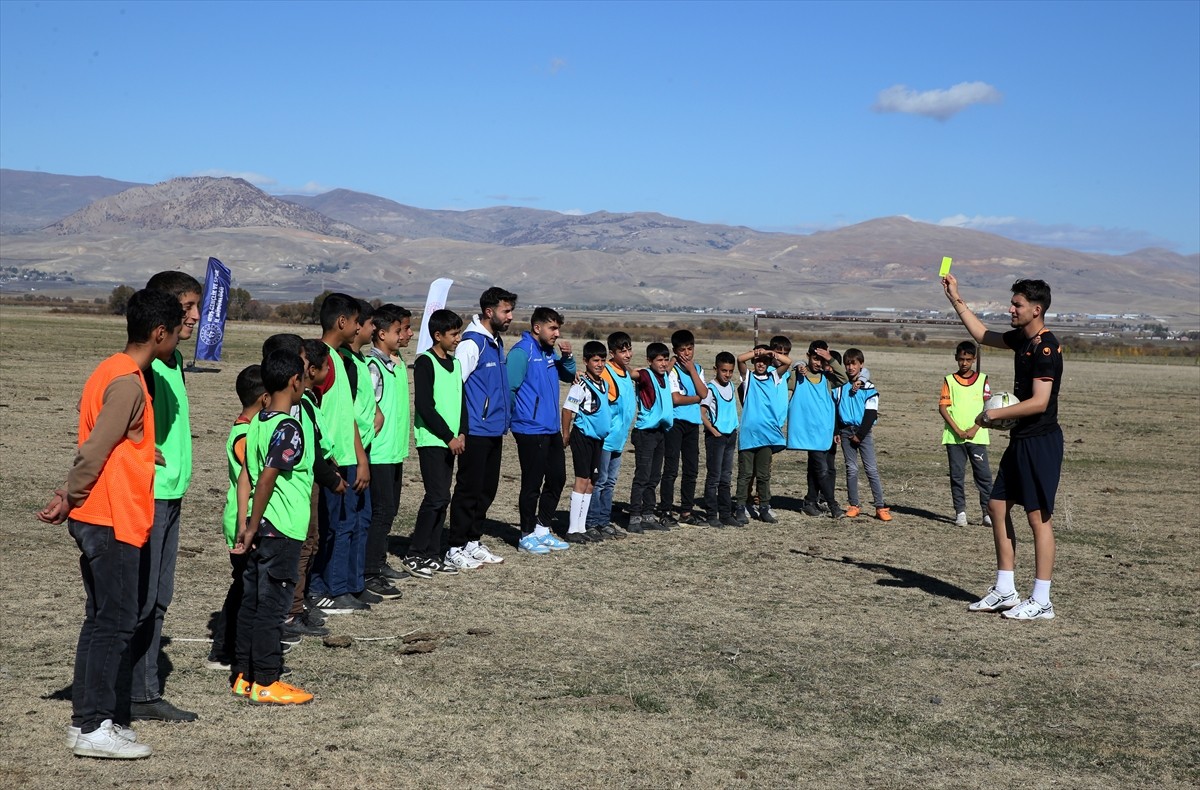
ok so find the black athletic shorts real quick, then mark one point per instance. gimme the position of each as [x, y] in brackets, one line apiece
[585, 454]
[1029, 472]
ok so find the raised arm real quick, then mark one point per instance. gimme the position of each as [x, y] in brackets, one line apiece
[978, 331]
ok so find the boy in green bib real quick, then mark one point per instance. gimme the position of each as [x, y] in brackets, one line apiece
[440, 426]
[964, 394]
[172, 476]
[279, 468]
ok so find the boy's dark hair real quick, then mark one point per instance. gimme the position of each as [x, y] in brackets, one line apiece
[966, 347]
[656, 350]
[277, 369]
[760, 347]
[493, 296]
[383, 318]
[285, 341]
[782, 343]
[442, 321]
[316, 352]
[594, 348]
[681, 338]
[546, 315]
[725, 358]
[853, 355]
[836, 356]
[249, 385]
[176, 283]
[149, 309]
[403, 312]
[365, 311]
[813, 346]
[1036, 291]
[335, 306]
[619, 340]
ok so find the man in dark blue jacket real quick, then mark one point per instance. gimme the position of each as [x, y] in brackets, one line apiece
[534, 372]
[485, 385]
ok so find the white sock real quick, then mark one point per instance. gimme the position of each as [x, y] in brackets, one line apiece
[471, 546]
[1041, 591]
[587, 504]
[541, 531]
[578, 513]
[1004, 582]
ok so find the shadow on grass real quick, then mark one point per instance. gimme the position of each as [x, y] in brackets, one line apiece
[901, 577]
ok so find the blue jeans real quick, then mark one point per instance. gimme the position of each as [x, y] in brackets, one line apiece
[344, 521]
[110, 571]
[866, 452]
[600, 511]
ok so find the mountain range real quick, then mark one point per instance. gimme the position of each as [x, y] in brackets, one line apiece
[104, 232]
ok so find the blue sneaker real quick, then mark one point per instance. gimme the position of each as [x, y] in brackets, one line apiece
[532, 544]
[553, 543]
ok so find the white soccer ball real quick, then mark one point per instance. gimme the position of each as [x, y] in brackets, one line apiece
[999, 401]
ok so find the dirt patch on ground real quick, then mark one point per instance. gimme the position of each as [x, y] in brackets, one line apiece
[802, 653]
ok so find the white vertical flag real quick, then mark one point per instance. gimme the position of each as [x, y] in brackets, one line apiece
[439, 289]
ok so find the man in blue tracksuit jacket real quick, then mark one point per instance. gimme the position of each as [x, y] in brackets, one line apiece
[489, 410]
[534, 372]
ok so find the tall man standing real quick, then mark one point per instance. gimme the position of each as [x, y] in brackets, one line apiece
[1030, 467]
[489, 413]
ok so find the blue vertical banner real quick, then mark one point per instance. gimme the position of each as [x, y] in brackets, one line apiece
[213, 311]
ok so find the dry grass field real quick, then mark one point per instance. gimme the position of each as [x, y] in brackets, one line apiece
[802, 654]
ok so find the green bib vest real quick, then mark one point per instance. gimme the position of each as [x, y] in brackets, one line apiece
[338, 406]
[391, 444]
[447, 399]
[172, 430]
[965, 405]
[289, 508]
[239, 431]
[364, 399]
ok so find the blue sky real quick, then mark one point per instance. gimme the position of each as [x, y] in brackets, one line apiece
[1064, 123]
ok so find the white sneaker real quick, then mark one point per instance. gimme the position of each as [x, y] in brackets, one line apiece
[987, 521]
[995, 601]
[124, 732]
[1030, 610]
[484, 555]
[960, 520]
[106, 743]
[461, 560]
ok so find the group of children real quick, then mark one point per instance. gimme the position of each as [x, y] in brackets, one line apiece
[315, 464]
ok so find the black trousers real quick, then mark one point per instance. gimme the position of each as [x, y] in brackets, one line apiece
[822, 474]
[719, 454]
[271, 570]
[437, 470]
[682, 442]
[475, 488]
[543, 476]
[224, 630]
[110, 571]
[386, 482]
[648, 450]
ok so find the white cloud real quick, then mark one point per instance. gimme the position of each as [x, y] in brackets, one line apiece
[573, 212]
[939, 103]
[309, 188]
[258, 179]
[557, 65]
[1088, 239]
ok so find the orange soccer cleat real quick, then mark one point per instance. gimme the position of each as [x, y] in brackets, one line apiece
[279, 693]
[883, 513]
[241, 687]
[853, 511]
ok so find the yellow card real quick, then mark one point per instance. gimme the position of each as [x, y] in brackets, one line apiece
[945, 267]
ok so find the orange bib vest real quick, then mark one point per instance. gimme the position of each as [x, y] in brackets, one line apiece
[123, 496]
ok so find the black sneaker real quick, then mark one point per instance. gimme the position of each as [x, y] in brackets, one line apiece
[313, 617]
[285, 648]
[636, 524]
[417, 568]
[730, 521]
[319, 604]
[662, 524]
[159, 710]
[284, 670]
[667, 521]
[344, 604]
[612, 532]
[393, 575]
[742, 516]
[810, 508]
[713, 521]
[289, 637]
[383, 588]
[368, 597]
[438, 565]
[595, 535]
[301, 626]
[836, 512]
[577, 537]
